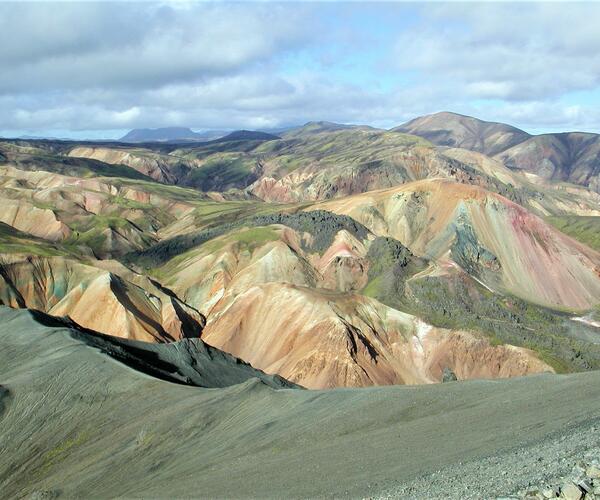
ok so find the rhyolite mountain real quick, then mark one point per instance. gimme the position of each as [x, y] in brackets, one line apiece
[331, 255]
[452, 129]
[572, 157]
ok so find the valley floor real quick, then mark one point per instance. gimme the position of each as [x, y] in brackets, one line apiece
[76, 423]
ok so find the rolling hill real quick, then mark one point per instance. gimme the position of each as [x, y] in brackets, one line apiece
[572, 157]
[460, 131]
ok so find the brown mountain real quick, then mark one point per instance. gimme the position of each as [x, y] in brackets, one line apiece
[452, 129]
[571, 157]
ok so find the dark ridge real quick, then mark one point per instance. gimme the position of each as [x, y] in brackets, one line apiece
[390, 265]
[321, 224]
[187, 362]
[246, 135]
[130, 355]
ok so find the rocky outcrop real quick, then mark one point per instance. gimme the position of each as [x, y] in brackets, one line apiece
[583, 482]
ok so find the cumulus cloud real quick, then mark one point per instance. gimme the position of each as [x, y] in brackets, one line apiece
[514, 52]
[70, 46]
[101, 66]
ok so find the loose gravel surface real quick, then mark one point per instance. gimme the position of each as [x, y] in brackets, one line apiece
[76, 423]
[523, 472]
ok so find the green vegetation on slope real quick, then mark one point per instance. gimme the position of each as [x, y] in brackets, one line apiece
[222, 172]
[77, 167]
[582, 228]
[321, 224]
[15, 241]
[457, 301]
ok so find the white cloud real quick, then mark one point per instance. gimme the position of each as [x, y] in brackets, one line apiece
[100, 66]
[515, 52]
[75, 46]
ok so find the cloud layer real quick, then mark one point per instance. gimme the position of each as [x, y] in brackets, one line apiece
[105, 66]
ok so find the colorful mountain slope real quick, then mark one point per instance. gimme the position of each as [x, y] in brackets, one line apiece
[107, 297]
[497, 241]
[571, 157]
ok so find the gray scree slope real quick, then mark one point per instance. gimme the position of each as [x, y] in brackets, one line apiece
[75, 422]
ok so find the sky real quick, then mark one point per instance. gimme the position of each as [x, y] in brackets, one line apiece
[95, 70]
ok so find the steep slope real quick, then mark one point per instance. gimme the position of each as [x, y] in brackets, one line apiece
[107, 297]
[541, 196]
[452, 129]
[253, 285]
[494, 239]
[571, 157]
[322, 251]
[350, 340]
[102, 427]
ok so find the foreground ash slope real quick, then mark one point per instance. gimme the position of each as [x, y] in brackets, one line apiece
[75, 423]
[330, 255]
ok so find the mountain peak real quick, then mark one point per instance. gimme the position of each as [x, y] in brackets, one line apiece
[447, 128]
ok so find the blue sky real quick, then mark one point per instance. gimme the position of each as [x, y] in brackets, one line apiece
[95, 70]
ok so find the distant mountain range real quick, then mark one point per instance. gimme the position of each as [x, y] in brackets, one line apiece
[168, 134]
[568, 156]
[572, 157]
[331, 255]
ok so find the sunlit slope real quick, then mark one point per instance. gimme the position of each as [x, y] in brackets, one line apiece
[107, 216]
[496, 240]
[287, 300]
[323, 339]
[105, 297]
